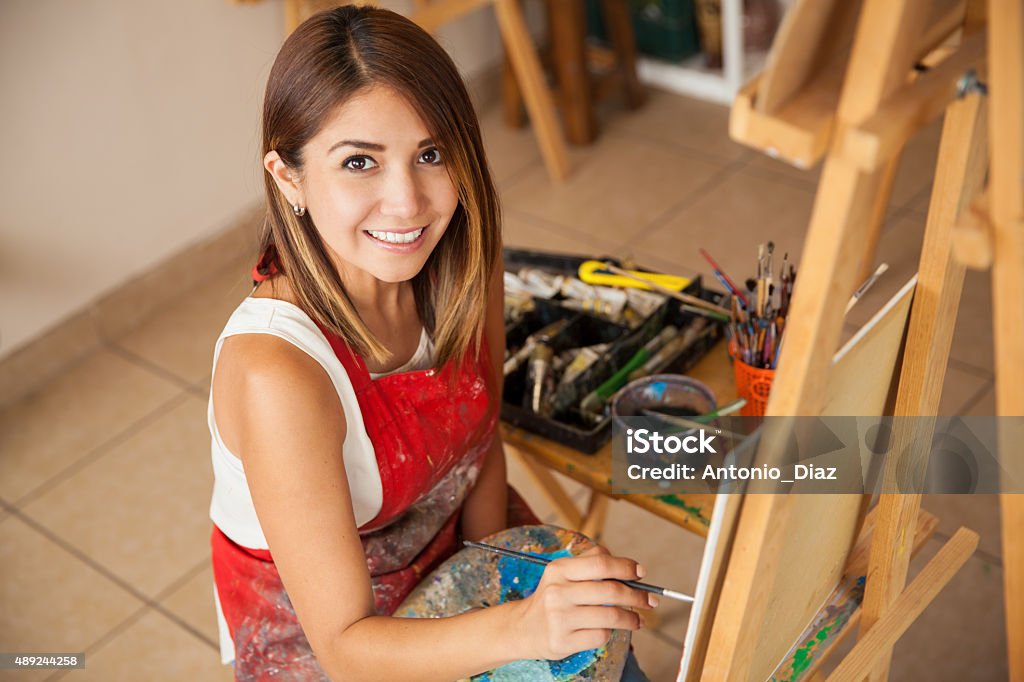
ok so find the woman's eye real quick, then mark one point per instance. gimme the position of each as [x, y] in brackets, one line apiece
[431, 157]
[359, 163]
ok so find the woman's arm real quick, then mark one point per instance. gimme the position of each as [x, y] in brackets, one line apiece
[279, 411]
[486, 507]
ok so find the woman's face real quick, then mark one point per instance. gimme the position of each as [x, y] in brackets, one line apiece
[375, 186]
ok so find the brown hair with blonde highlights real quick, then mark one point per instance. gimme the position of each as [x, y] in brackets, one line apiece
[329, 58]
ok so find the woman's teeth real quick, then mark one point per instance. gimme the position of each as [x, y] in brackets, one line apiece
[396, 237]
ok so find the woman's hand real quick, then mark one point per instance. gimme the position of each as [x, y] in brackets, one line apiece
[577, 604]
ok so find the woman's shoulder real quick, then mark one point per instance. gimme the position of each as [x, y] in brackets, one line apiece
[267, 316]
[279, 369]
[263, 382]
[264, 363]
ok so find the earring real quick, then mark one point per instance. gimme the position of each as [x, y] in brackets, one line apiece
[298, 210]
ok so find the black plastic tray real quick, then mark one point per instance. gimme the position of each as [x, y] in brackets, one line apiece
[566, 426]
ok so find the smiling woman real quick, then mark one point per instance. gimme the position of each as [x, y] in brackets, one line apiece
[361, 103]
[381, 204]
[355, 392]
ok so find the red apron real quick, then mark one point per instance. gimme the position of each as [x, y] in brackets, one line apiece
[430, 432]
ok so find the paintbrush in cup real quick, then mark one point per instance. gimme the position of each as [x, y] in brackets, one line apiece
[702, 419]
[543, 561]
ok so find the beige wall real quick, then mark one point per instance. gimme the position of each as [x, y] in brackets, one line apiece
[130, 133]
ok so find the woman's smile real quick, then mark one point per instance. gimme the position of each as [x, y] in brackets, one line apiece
[399, 241]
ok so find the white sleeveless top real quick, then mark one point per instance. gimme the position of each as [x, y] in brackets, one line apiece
[231, 508]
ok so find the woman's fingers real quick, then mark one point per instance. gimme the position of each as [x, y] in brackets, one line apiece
[579, 602]
[603, 618]
[600, 592]
[596, 566]
[582, 640]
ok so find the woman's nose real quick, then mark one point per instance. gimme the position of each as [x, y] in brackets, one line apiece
[402, 195]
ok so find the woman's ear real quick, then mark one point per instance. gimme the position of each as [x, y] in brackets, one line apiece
[284, 177]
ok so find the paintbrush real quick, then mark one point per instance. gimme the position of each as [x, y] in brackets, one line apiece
[724, 278]
[684, 425]
[863, 288]
[678, 295]
[723, 411]
[721, 317]
[700, 422]
[543, 561]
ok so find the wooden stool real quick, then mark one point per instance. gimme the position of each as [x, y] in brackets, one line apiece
[571, 61]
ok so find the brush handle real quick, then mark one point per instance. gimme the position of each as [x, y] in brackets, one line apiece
[514, 554]
[654, 589]
[542, 561]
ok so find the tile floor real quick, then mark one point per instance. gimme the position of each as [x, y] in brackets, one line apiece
[104, 474]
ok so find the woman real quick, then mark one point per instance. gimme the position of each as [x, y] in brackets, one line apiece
[355, 395]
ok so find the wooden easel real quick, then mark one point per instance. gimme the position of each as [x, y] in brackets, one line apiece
[432, 14]
[841, 84]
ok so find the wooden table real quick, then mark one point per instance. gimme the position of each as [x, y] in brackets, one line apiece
[541, 455]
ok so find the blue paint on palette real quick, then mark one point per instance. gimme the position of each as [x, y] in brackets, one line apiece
[518, 580]
[472, 579]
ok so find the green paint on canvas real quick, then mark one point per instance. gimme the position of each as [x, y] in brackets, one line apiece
[677, 501]
[803, 657]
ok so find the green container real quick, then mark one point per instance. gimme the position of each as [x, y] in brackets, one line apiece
[665, 29]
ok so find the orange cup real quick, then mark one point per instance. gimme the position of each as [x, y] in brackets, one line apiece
[752, 383]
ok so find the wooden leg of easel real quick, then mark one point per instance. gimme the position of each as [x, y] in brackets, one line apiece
[432, 15]
[880, 60]
[907, 607]
[535, 91]
[551, 488]
[1012, 509]
[511, 97]
[1006, 201]
[567, 22]
[620, 33]
[593, 520]
[292, 16]
[844, 205]
[963, 158]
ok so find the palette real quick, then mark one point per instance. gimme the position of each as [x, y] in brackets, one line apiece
[473, 579]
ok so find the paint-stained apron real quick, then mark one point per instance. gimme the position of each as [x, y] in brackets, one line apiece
[430, 432]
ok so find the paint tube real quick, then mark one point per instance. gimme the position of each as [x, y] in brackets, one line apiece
[514, 285]
[517, 304]
[606, 302]
[541, 283]
[631, 318]
[697, 330]
[559, 363]
[541, 380]
[543, 336]
[574, 288]
[517, 358]
[597, 306]
[644, 302]
[584, 360]
[608, 299]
